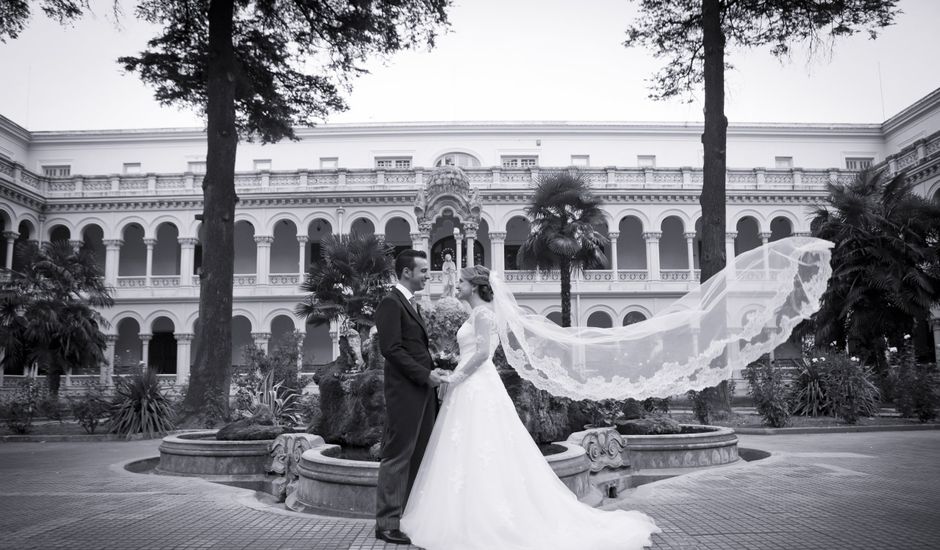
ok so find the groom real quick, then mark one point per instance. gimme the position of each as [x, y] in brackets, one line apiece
[410, 399]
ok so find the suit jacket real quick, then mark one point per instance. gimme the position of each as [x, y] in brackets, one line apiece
[403, 341]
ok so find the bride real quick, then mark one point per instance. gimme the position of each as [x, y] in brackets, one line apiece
[483, 482]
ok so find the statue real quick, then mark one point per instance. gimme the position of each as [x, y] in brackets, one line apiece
[450, 276]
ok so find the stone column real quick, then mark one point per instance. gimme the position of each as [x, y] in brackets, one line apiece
[935, 328]
[302, 241]
[106, 375]
[652, 255]
[76, 244]
[764, 239]
[150, 244]
[498, 251]
[334, 337]
[263, 258]
[145, 349]
[261, 339]
[613, 235]
[300, 353]
[187, 257]
[729, 251]
[111, 260]
[10, 238]
[471, 237]
[690, 251]
[184, 343]
[459, 248]
[339, 219]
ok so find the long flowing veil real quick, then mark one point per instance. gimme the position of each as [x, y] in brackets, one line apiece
[732, 319]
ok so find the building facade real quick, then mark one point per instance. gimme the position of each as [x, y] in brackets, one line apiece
[133, 195]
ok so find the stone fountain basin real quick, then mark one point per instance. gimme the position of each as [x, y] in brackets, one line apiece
[654, 457]
[200, 454]
[331, 485]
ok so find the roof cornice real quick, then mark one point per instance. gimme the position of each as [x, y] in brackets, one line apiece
[476, 128]
[14, 130]
[919, 108]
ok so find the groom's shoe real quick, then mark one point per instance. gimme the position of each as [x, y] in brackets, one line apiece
[393, 536]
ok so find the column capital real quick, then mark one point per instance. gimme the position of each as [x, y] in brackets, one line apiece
[417, 236]
[261, 336]
[497, 236]
[145, 337]
[150, 242]
[690, 236]
[184, 336]
[303, 239]
[803, 234]
[731, 235]
[471, 234]
[380, 236]
[111, 338]
[187, 241]
[613, 235]
[653, 236]
[10, 235]
[425, 227]
[765, 235]
[340, 210]
[264, 239]
[76, 243]
[935, 323]
[113, 243]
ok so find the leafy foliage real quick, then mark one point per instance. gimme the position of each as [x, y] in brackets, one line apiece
[49, 310]
[19, 409]
[886, 263]
[770, 392]
[280, 360]
[90, 408]
[565, 216]
[443, 320]
[292, 58]
[703, 403]
[15, 14]
[810, 397]
[140, 406]
[672, 29]
[353, 275]
[917, 384]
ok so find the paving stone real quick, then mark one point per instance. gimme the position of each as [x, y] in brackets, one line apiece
[822, 491]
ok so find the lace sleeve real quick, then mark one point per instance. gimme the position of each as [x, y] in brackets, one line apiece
[484, 324]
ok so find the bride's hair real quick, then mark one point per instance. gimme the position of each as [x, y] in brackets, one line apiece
[479, 277]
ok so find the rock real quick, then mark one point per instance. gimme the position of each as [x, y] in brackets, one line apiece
[243, 430]
[633, 409]
[375, 451]
[352, 406]
[654, 425]
[546, 417]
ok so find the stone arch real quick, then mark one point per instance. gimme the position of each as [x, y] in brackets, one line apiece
[128, 348]
[132, 259]
[166, 251]
[250, 218]
[130, 220]
[682, 215]
[246, 249]
[59, 232]
[242, 327]
[748, 234]
[84, 223]
[165, 313]
[285, 249]
[634, 213]
[92, 237]
[155, 224]
[633, 316]
[747, 213]
[599, 317]
[515, 213]
[283, 216]
[441, 153]
[631, 246]
[635, 308]
[321, 215]
[396, 214]
[781, 227]
[281, 311]
[673, 248]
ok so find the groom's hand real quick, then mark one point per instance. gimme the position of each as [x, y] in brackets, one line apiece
[435, 379]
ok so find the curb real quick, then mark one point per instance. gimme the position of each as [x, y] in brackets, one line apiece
[80, 438]
[836, 429]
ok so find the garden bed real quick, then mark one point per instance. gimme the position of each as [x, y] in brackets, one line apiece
[53, 427]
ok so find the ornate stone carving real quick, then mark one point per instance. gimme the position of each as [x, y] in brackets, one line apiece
[604, 447]
[285, 460]
[448, 188]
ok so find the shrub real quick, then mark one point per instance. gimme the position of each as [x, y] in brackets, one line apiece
[19, 410]
[770, 392]
[917, 385]
[281, 360]
[810, 396]
[283, 402]
[701, 403]
[850, 388]
[90, 408]
[656, 405]
[309, 408]
[140, 406]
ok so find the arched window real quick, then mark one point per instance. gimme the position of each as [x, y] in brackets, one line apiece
[460, 160]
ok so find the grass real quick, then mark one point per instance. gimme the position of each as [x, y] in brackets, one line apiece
[54, 427]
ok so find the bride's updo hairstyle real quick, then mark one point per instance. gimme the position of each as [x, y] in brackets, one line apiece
[479, 277]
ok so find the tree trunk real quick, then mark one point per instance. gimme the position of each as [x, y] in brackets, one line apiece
[207, 396]
[564, 266]
[714, 141]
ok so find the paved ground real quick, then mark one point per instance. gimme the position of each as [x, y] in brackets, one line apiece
[831, 491]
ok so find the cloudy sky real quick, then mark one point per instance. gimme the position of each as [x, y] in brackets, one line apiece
[502, 60]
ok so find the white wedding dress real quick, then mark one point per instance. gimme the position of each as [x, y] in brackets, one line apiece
[483, 483]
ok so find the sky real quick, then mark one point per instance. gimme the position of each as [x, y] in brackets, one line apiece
[502, 60]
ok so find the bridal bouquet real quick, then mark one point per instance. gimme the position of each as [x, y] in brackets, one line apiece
[443, 320]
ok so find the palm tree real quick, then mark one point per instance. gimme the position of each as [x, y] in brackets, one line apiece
[48, 314]
[346, 285]
[886, 263]
[564, 215]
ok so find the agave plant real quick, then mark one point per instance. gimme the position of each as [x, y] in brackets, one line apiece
[140, 406]
[353, 274]
[283, 403]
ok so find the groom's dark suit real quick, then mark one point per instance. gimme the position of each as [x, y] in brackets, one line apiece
[410, 403]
